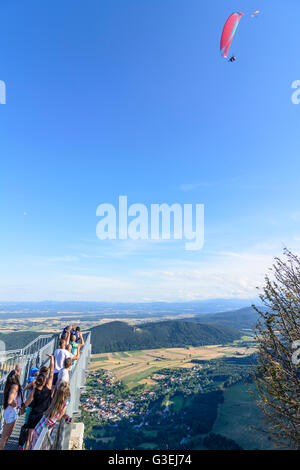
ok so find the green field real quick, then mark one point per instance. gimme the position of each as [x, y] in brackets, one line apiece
[123, 354]
[240, 419]
[99, 359]
[133, 379]
[134, 367]
[177, 402]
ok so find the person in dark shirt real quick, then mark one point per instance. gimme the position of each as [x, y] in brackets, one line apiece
[68, 331]
[39, 400]
[79, 337]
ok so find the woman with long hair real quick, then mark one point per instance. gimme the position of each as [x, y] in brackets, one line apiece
[55, 412]
[34, 375]
[12, 403]
[75, 348]
[39, 400]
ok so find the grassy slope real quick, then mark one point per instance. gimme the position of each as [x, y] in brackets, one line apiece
[240, 419]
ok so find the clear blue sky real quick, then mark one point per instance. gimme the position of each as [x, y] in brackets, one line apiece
[106, 98]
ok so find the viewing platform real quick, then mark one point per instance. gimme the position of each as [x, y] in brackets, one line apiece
[64, 436]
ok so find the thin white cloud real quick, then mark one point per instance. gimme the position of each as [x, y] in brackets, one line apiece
[226, 274]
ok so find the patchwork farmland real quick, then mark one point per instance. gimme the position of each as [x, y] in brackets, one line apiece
[139, 367]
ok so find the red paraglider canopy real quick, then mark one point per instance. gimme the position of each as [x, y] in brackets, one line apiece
[229, 31]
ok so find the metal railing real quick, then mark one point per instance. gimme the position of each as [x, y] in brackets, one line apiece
[32, 355]
[35, 355]
[59, 438]
[9, 359]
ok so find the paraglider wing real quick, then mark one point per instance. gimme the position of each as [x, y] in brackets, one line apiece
[255, 13]
[229, 31]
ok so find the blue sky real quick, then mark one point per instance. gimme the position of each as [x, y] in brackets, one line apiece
[131, 97]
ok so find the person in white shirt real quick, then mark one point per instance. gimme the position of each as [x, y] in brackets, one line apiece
[60, 355]
[64, 374]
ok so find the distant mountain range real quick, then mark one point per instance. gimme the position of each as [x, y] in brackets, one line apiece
[119, 336]
[243, 318]
[113, 309]
[213, 328]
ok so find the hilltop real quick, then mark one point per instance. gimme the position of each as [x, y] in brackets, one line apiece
[243, 318]
[119, 336]
[18, 339]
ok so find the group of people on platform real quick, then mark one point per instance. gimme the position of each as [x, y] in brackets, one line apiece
[47, 392]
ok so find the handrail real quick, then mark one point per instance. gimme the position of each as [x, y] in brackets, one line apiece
[35, 355]
[36, 340]
[9, 358]
[10, 351]
[32, 355]
[23, 351]
[59, 438]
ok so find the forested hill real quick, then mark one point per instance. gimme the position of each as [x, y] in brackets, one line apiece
[119, 336]
[18, 339]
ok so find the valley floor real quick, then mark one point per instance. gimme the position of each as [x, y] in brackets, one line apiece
[175, 398]
[139, 367]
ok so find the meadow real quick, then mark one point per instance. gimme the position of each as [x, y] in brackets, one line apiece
[139, 367]
[240, 419]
